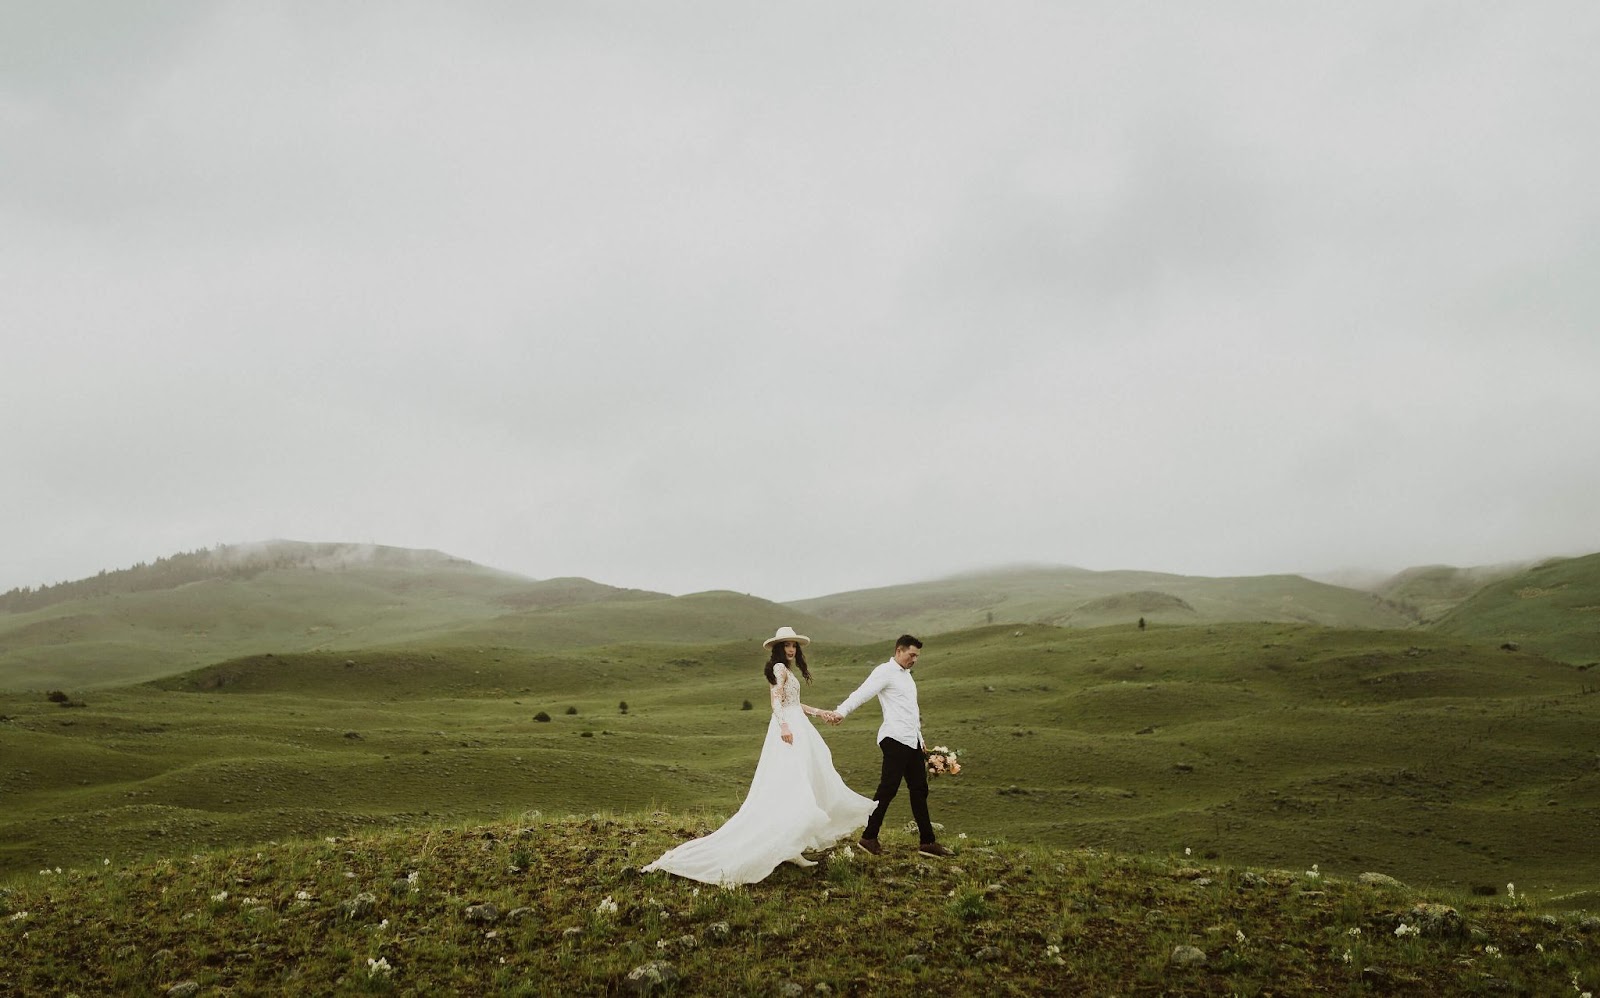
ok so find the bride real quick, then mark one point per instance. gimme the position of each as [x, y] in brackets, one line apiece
[796, 799]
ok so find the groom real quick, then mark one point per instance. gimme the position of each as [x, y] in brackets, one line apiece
[900, 739]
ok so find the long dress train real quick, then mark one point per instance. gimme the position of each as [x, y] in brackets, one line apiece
[796, 801]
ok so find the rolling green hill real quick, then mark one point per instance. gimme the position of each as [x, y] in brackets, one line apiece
[288, 597]
[1075, 597]
[1552, 609]
[698, 618]
[1431, 759]
[280, 597]
[1434, 590]
[534, 905]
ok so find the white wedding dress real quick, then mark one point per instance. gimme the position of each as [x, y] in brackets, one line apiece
[796, 801]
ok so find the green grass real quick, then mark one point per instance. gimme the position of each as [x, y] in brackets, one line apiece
[1119, 784]
[1434, 590]
[1076, 597]
[1433, 760]
[1552, 609]
[117, 638]
[402, 912]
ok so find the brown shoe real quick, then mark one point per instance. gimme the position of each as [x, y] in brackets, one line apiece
[871, 845]
[933, 849]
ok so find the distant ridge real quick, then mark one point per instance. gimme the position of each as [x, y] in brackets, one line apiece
[229, 561]
[1434, 590]
[1552, 608]
[1079, 597]
[190, 609]
[289, 597]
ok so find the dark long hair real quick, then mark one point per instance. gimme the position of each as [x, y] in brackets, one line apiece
[779, 658]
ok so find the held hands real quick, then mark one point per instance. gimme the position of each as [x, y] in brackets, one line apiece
[832, 717]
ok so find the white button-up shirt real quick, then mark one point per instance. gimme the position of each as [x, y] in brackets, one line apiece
[897, 695]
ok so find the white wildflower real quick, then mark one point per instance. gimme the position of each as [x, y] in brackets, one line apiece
[1407, 930]
[302, 895]
[19, 916]
[1511, 891]
[331, 840]
[1346, 956]
[1187, 851]
[606, 906]
[961, 835]
[220, 896]
[1356, 931]
[1493, 951]
[383, 924]
[106, 862]
[1052, 950]
[1314, 873]
[1539, 947]
[847, 853]
[58, 869]
[378, 967]
[1239, 934]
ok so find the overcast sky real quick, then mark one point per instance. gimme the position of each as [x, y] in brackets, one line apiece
[804, 297]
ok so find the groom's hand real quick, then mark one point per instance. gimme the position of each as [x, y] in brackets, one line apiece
[833, 717]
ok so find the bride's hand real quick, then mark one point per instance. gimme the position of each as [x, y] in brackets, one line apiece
[787, 735]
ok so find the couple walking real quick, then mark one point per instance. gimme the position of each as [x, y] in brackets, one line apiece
[797, 800]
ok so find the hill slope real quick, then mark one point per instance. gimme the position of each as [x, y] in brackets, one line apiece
[698, 618]
[281, 597]
[1552, 609]
[540, 906]
[1261, 744]
[1434, 590]
[1076, 597]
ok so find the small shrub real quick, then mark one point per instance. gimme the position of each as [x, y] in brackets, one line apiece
[622, 708]
[747, 706]
[541, 717]
[586, 734]
[970, 905]
[571, 711]
[56, 696]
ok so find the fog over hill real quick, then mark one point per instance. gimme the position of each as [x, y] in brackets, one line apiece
[195, 607]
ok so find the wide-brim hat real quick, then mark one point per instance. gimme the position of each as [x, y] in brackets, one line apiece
[786, 634]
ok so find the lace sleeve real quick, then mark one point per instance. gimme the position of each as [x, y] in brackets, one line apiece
[779, 691]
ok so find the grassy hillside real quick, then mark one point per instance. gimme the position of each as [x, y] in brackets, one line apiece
[699, 618]
[192, 609]
[1434, 590]
[1075, 597]
[1436, 761]
[538, 906]
[1552, 609]
[301, 598]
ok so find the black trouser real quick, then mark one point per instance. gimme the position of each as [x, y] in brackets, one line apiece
[901, 762]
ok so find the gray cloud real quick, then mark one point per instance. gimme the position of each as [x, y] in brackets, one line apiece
[797, 300]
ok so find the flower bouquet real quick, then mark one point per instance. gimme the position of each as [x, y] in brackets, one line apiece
[943, 761]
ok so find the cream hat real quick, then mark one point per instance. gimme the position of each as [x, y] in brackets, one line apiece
[786, 634]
